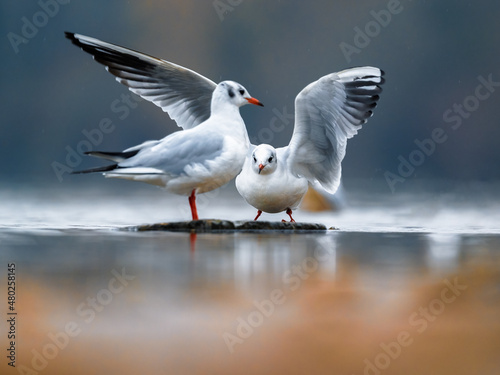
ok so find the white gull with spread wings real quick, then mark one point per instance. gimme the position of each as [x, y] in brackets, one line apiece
[212, 149]
[328, 112]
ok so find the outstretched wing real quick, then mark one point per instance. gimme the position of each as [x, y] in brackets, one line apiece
[179, 153]
[184, 94]
[328, 112]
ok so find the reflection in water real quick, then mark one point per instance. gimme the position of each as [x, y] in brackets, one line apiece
[257, 302]
[260, 258]
[368, 298]
[444, 251]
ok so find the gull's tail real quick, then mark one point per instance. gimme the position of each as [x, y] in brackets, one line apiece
[117, 157]
[98, 169]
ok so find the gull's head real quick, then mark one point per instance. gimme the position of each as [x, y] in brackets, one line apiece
[233, 93]
[264, 159]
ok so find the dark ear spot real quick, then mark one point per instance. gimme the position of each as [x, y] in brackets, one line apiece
[231, 93]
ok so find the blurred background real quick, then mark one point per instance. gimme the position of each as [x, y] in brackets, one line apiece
[434, 55]
[421, 180]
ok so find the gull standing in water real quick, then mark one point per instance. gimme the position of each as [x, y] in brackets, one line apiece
[212, 149]
[328, 112]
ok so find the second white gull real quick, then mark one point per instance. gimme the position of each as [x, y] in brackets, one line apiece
[328, 112]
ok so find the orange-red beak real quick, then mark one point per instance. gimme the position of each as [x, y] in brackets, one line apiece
[254, 101]
[261, 167]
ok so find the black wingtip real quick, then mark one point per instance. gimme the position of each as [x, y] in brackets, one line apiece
[75, 40]
[71, 36]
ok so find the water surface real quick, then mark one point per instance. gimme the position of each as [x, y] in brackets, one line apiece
[406, 284]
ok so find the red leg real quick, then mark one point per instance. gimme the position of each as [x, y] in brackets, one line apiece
[192, 241]
[259, 212]
[192, 204]
[289, 213]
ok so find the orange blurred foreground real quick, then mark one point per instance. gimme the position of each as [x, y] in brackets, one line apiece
[319, 323]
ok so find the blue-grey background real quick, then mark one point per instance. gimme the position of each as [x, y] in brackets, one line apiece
[433, 54]
[386, 262]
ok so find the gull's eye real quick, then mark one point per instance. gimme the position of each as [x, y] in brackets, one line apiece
[254, 159]
[270, 159]
[242, 91]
